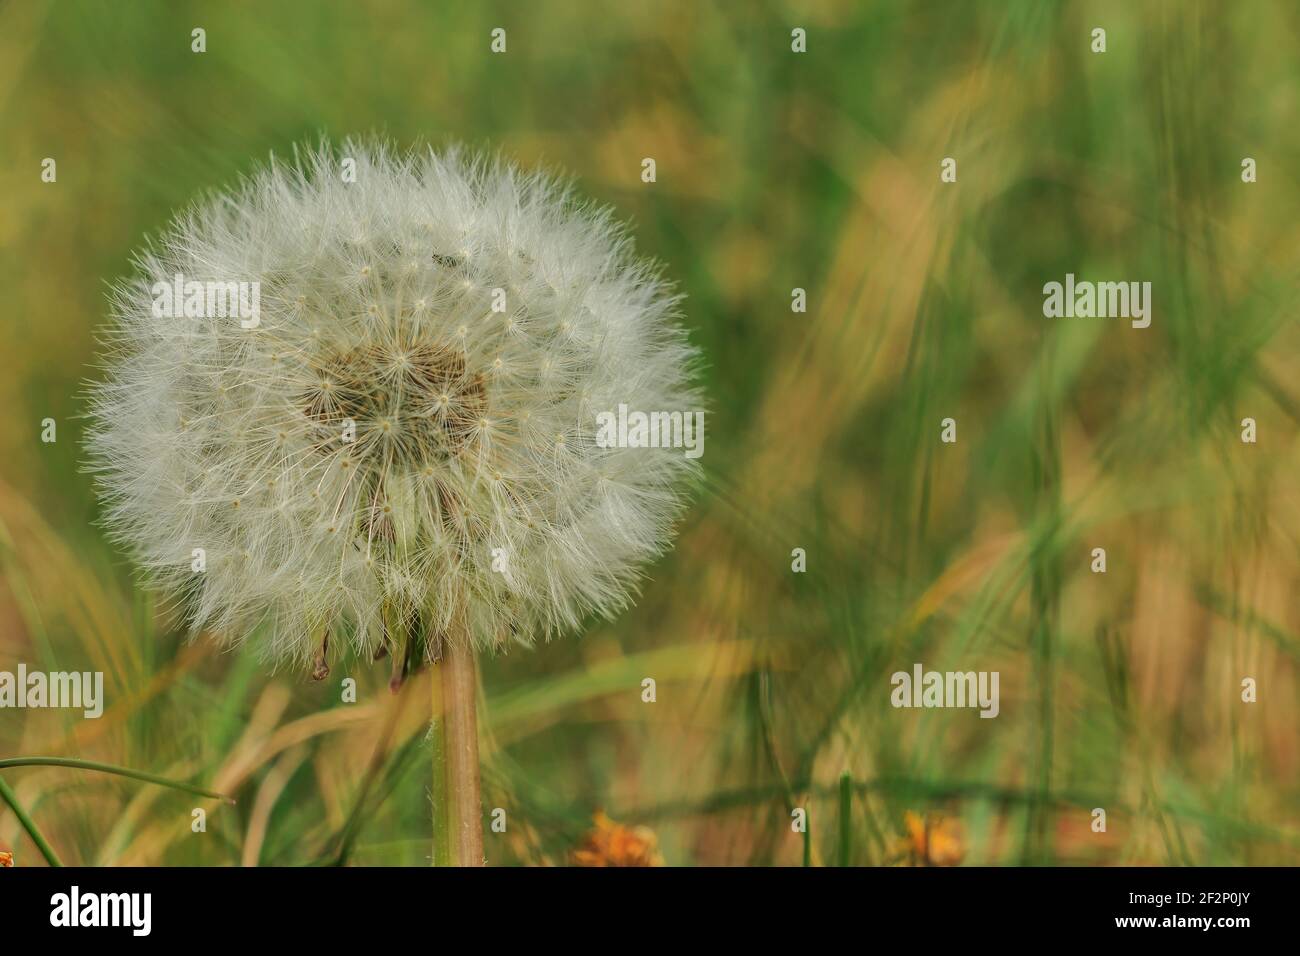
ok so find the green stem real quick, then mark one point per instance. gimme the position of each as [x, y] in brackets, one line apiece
[29, 825]
[11, 762]
[846, 818]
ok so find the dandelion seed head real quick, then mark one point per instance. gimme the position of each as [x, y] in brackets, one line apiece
[378, 433]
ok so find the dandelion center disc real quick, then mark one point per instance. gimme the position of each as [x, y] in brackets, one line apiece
[414, 404]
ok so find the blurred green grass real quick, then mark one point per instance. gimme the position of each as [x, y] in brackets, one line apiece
[775, 170]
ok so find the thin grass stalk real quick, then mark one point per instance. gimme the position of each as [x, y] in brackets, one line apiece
[9, 763]
[28, 824]
[846, 819]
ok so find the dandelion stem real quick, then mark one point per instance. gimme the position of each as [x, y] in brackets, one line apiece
[457, 803]
[441, 810]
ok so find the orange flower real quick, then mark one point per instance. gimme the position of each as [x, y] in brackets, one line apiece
[6, 859]
[933, 840]
[612, 844]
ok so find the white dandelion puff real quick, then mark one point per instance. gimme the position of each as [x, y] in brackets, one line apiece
[406, 433]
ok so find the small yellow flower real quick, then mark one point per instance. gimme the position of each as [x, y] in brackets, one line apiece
[6, 859]
[612, 844]
[932, 840]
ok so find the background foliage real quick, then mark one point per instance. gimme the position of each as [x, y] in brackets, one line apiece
[775, 170]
